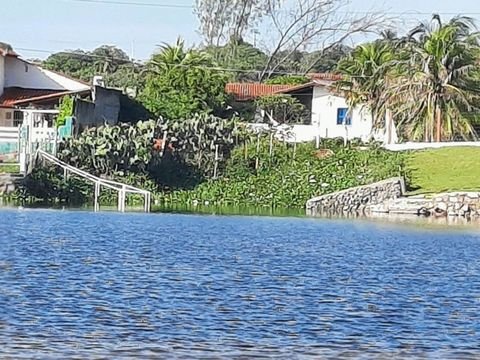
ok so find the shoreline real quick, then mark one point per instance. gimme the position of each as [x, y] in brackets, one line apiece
[378, 218]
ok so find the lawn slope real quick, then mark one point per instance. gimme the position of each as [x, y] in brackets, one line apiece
[446, 169]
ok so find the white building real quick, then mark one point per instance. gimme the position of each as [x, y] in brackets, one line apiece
[331, 117]
[25, 85]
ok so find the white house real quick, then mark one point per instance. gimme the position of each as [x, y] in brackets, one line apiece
[331, 117]
[24, 85]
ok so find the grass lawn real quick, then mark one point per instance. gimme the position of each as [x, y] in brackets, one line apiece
[9, 168]
[447, 169]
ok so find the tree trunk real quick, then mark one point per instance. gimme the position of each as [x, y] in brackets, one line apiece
[438, 121]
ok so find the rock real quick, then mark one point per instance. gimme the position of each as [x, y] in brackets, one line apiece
[442, 206]
[465, 209]
[437, 212]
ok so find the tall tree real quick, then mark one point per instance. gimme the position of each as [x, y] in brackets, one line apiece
[75, 63]
[108, 61]
[365, 77]
[436, 87]
[181, 82]
[299, 25]
[325, 60]
[244, 58]
[108, 58]
[223, 21]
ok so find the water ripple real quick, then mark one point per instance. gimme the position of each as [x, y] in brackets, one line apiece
[78, 285]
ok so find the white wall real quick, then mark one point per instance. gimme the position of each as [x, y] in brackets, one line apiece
[22, 74]
[2, 74]
[324, 117]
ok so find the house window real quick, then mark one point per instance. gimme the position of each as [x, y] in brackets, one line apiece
[17, 118]
[343, 117]
[8, 116]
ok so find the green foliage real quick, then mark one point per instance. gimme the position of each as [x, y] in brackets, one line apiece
[65, 110]
[9, 168]
[111, 150]
[429, 79]
[438, 86]
[287, 80]
[46, 184]
[366, 71]
[288, 178]
[325, 61]
[124, 149]
[196, 141]
[132, 154]
[182, 82]
[108, 61]
[77, 64]
[239, 56]
[285, 109]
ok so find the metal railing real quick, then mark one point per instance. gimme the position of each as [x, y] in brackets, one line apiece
[122, 189]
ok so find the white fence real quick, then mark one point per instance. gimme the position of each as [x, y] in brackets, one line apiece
[305, 133]
[19, 143]
[289, 133]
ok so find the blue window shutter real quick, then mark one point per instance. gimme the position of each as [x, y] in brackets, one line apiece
[348, 119]
[341, 115]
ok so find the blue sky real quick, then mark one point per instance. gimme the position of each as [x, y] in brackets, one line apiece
[53, 25]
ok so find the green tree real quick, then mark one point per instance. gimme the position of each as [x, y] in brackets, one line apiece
[110, 62]
[65, 110]
[324, 61]
[77, 63]
[436, 87]
[107, 59]
[247, 60]
[181, 82]
[366, 71]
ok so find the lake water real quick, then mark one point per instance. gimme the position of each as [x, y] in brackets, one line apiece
[107, 285]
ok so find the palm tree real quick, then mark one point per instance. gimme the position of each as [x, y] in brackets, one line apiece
[366, 73]
[176, 56]
[434, 88]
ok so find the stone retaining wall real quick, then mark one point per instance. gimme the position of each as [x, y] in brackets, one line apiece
[358, 199]
[388, 197]
[455, 204]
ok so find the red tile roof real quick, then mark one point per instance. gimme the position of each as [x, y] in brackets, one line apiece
[317, 82]
[249, 91]
[16, 96]
[324, 76]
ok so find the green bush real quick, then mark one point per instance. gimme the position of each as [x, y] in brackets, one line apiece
[65, 110]
[133, 154]
[288, 178]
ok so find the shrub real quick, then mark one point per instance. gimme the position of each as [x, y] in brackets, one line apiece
[289, 178]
